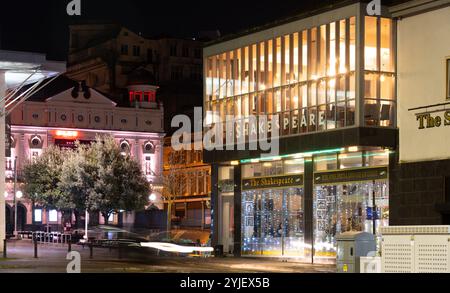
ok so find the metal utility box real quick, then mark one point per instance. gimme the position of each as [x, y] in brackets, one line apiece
[350, 247]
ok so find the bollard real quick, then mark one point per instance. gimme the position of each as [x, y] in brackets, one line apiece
[35, 249]
[4, 248]
[70, 247]
[91, 251]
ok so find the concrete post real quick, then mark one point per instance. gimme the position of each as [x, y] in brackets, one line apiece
[2, 162]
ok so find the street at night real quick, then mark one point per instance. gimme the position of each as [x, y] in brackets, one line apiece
[52, 259]
[231, 145]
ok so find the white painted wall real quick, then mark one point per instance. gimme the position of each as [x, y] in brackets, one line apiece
[423, 45]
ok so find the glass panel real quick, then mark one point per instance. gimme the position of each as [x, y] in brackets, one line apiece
[331, 116]
[371, 113]
[294, 166]
[321, 92]
[261, 103]
[342, 47]
[351, 160]
[237, 72]
[262, 68]
[352, 41]
[222, 76]
[387, 114]
[246, 106]
[229, 75]
[286, 99]
[278, 103]
[215, 76]
[269, 102]
[387, 59]
[312, 119]
[341, 88]
[304, 95]
[245, 70]
[313, 54]
[269, 64]
[325, 163]
[209, 78]
[321, 116]
[253, 64]
[303, 120]
[377, 158]
[294, 98]
[351, 93]
[277, 60]
[293, 223]
[340, 115]
[295, 55]
[312, 97]
[351, 110]
[322, 67]
[286, 76]
[371, 52]
[371, 82]
[387, 87]
[332, 49]
[331, 91]
[305, 59]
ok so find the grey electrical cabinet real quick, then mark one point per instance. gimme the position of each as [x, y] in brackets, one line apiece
[350, 247]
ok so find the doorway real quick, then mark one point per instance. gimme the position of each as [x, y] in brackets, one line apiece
[8, 220]
[227, 223]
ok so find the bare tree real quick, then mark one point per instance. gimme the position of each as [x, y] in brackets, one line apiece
[174, 186]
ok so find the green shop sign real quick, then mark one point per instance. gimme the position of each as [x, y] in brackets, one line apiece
[272, 182]
[351, 175]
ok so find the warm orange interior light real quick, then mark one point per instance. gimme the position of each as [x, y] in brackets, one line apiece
[67, 134]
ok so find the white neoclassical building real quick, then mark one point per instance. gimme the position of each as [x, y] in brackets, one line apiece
[68, 111]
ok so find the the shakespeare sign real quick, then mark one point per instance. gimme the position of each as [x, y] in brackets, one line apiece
[351, 175]
[272, 182]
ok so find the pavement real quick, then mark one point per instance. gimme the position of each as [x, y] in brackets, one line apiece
[52, 259]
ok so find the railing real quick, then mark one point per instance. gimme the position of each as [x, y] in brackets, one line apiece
[45, 237]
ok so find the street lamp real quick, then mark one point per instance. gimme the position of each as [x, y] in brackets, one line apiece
[152, 197]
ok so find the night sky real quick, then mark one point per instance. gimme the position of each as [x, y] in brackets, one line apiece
[42, 25]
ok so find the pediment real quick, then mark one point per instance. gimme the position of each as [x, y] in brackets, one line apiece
[95, 99]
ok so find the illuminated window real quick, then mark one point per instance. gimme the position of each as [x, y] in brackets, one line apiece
[53, 216]
[308, 77]
[37, 215]
[148, 165]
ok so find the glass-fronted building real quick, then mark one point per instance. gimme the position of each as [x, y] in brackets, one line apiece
[329, 78]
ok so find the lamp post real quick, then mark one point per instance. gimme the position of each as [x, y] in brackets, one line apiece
[15, 194]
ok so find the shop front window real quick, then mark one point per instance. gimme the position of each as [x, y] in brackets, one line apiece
[346, 188]
[273, 217]
[345, 207]
[273, 223]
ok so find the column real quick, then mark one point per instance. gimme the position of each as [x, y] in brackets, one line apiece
[237, 210]
[214, 205]
[2, 161]
[309, 189]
